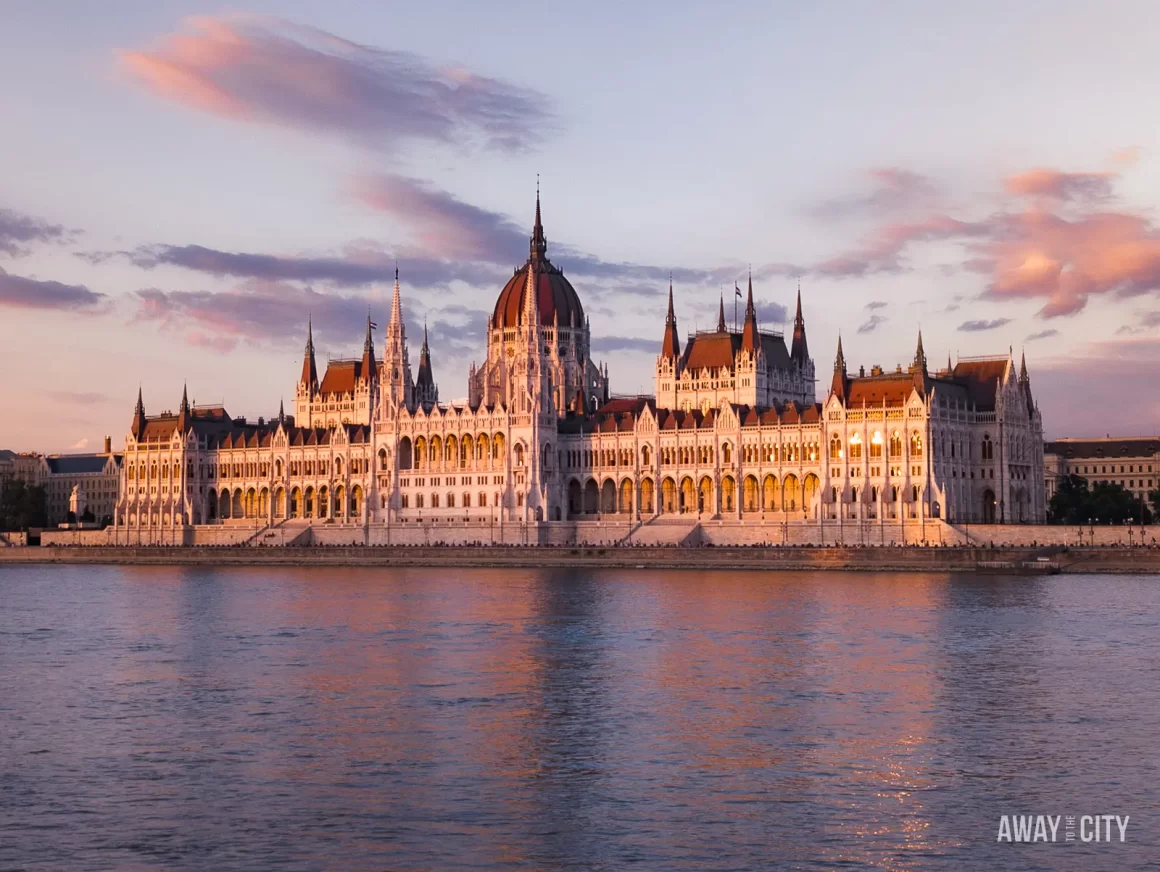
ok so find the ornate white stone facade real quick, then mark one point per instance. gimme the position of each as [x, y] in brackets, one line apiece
[733, 432]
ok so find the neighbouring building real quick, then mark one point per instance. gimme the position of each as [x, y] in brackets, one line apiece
[733, 431]
[1131, 461]
[92, 479]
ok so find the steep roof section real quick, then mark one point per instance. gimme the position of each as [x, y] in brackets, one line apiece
[77, 464]
[1105, 449]
[981, 377]
[342, 376]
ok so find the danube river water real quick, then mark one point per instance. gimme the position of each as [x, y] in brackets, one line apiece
[297, 719]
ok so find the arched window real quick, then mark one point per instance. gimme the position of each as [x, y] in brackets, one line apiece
[519, 451]
[876, 444]
[726, 453]
[895, 444]
[988, 447]
[835, 448]
[856, 446]
[916, 444]
[645, 456]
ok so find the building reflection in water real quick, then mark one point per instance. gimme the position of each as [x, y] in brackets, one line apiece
[435, 719]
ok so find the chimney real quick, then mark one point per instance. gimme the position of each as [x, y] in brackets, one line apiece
[862, 371]
[108, 445]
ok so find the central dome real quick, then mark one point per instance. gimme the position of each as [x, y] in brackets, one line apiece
[555, 296]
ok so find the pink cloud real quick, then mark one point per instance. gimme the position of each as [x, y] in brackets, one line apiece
[1041, 254]
[1060, 185]
[270, 71]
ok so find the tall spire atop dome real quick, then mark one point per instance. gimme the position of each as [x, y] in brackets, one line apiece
[539, 243]
[671, 347]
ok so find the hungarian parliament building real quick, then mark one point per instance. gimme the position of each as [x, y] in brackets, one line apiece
[733, 434]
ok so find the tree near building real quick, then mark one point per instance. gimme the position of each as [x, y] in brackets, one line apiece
[22, 506]
[1077, 502]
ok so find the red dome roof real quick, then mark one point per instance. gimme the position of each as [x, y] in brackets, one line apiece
[557, 299]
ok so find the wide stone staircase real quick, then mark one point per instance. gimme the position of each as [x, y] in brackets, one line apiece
[665, 531]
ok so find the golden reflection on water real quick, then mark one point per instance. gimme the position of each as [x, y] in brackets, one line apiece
[570, 719]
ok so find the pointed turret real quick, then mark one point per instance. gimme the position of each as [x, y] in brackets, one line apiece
[281, 414]
[396, 388]
[749, 339]
[1025, 382]
[838, 385]
[919, 356]
[799, 350]
[425, 389]
[138, 426]
[184, 418]
[368, 359]
[530, 311]
[671, 347]
[309, 368]
[721, 315]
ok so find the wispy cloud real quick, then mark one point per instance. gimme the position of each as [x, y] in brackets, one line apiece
[979, 326]
[876, 304]
[29, 293]
[255, 311]
[891, 190]
[872, 323]
[1060, 185]
[18, 230]
[267, 70]
[1043, 334]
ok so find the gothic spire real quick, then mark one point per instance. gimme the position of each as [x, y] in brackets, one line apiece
[539, 243]
[281, 413]
[749, 339]
[838, 385]
[919, 355]
[671, 346]
[184, 407]
[721, 316]
[368, 359]
[1023, 366]
[309, 368]
[395, 327]
[138, 427]
[799, 348]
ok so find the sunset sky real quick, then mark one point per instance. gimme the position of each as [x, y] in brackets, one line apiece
[183, 184]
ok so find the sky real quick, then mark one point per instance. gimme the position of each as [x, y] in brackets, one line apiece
[185, 184]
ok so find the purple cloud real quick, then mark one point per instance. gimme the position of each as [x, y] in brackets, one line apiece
[978, 326]
[894, 189]
[1043, 334]
[25, 293]
[872, 323]
[16, 230]
[265, 70]
[257, 310]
